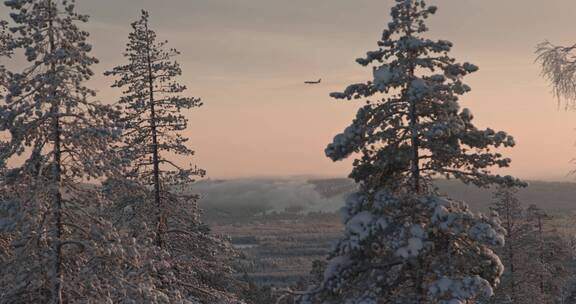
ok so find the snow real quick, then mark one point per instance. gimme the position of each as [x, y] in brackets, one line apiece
[360, 224]
[383, 199]
[345, 143]
[360, 227]
[353, 91]
[470, 68]
[484, 232]
[417, 231]
[412, 249]
[336, 265]
[383, 74]
[459, 290]
[7, 225]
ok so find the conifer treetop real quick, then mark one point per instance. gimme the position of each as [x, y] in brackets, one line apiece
[52, 87]
[151, 65]
[413, 104]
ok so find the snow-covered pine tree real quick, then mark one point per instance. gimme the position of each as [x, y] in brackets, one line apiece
[537, 217]
[152, 120]
[58, 247]
[153, 117]
[568, 294]
[5, 51]
[511, 213]
[107, 266]
[537, 256]
[552, 258]
[403, 243]
[196, 261]
[49, 121]
[5, 38]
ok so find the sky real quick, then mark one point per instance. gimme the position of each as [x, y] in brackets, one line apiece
[248, 59]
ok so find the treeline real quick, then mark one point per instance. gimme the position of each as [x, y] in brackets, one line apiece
[539, 258]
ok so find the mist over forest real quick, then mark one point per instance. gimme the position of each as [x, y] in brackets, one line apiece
[249, 197]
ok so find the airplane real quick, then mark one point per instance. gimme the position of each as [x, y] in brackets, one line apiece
[313, 82]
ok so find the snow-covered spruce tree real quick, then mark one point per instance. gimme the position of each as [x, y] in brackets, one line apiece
[153, 120]
[403, 243]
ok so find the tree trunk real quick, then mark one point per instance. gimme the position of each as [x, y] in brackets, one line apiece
[160, 224]
[57, 213]
[509, 227]
[541, 253]
[415, 163]
[56, 231]
[413, 117]
[415, 170]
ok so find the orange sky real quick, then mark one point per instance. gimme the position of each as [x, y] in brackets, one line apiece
[247, 59]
